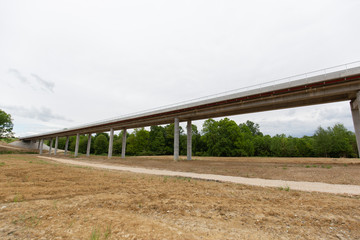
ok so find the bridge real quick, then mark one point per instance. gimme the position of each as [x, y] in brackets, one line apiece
[340, 83]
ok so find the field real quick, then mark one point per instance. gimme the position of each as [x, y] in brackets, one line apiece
[41, 199]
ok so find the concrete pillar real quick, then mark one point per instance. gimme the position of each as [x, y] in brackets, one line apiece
[189, 139]
[50, 147]
[66, 145]
[356, 120]
[123, 149]
[41, 146]
[111, 140]
[176, 139]
[88, 145]
[56, 144]
[77, 144]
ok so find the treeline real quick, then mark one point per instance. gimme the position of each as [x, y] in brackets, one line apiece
[225, 138]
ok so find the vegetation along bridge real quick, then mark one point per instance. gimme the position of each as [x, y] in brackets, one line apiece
[341, 83]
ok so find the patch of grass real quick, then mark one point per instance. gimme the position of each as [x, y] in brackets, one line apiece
[77, 166]
[345, 165]
[18, 198]
[6, 152]
[8, 140]
[165, 179]
[326, 166]
[2, 164]
[311, 166]
[42, 162]
[184, 178]
[95, 234]
[30, 221]
[16, 152]
[107, 233]
[286, 188]
[55, 204]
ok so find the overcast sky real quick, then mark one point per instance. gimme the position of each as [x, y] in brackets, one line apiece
[67, 63]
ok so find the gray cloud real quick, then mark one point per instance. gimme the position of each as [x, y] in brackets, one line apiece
[43, 114]
[46, 84]
[19, 76]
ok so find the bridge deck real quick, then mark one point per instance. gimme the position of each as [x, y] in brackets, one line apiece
[324, 88]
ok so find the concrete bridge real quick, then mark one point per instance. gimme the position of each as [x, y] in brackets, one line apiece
[341, 83]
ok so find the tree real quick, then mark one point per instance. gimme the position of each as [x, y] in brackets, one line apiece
[6, 125]
[341, 142]
[223, 138]
[101, 144]
[138, 142]
[253, 127]
[157, 140]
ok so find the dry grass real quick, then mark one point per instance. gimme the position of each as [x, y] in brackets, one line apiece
[44, 200]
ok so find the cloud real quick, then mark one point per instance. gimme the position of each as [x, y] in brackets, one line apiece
[46, 84]
[43, 114]
[19, 76]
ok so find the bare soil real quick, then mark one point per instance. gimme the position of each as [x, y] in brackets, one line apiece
[41, 199]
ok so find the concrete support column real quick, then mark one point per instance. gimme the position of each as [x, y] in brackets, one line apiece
[88, 145]
[41, 146]
[123, 149]
[111, 140]
[189, 139]
[66, 145]
[56, 144]
[50, 147]
[354, 105]
[176, 139]
[77, 144]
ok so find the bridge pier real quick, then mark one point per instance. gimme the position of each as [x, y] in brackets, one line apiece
[189, 140]
[123, 149]
[88, 145]
[41, 146]
[176, 139]
[354, 106]
[56, 144]
[66, 145]
[77, 144]
[111, 140]
[50, 147]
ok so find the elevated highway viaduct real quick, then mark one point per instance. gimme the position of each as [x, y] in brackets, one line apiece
[323, 86]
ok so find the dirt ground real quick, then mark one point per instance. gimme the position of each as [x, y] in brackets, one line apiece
[40, 199]
[327, 170]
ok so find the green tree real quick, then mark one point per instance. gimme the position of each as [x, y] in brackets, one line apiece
[6, 125]
[83, 143]
[322, 142]
[101, 144]
[253, 127]
[117, 146]
[157, 140]
[341, 142]
[138, 142]
[223, 138]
